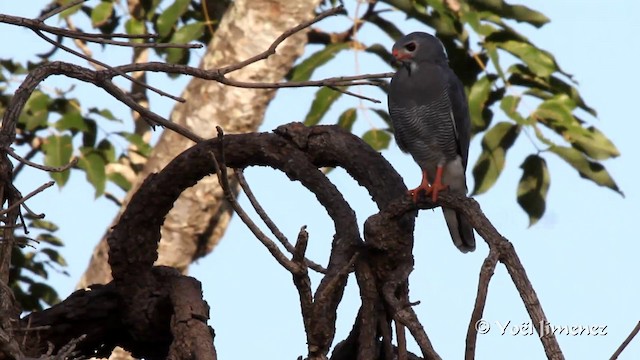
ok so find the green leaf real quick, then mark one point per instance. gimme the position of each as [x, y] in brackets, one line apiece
[539, 61]
[90, 134]
[35, 266]
[188, 33]
[36, 111]
[587, 169]
[142, 147]
[557, 114]
[70, 11]
[72, 120]
[44, 224]
[387, 26]
[381, 52]
[119, 180]
[57, 152]
[50, 239]
[377, 139]
[135, 27]
[304, 70]
[347, 118]
[13, 67]
[94, 166]
[107, 150]
[54, 256]
[533, 187]
[509, 105]
[595, 145]
[105, 113]
[478, 96]
[523, 76]
[150, 7]
[101, 13]
[492, 51]
[184, 35]
[474, 19]
[495, 144]
[45, 293]
[516, 12]
[325, 97]
[167, 20]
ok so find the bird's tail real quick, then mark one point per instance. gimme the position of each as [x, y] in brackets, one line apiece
[460, 229]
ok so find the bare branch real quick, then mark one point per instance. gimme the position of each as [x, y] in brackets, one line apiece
[362, 97]
[488, 268]
[271, 225]
[62, 168]
[31, 213]
[32, 152]
[14, 205]
[106, 66]
[626, 342]
[221, 171]
[60, 9]
[153, 118]
[506, 255]
[272, 49]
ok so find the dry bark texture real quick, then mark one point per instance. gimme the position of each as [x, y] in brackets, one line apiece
[142, 310]
[200, 216]
[155, 312]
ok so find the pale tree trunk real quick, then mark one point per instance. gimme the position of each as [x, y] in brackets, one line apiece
[200, 216]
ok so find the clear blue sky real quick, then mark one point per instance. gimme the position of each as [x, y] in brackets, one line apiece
[581, 257]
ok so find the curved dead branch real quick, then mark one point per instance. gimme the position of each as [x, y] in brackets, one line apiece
[149, 309]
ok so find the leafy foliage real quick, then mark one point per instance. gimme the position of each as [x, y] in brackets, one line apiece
[30, 267]
[501, 71]
[56, 126]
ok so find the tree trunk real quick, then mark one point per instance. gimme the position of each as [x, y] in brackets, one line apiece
[200, 216]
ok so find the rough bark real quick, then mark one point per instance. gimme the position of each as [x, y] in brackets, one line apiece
[156, 313]
[200, 216]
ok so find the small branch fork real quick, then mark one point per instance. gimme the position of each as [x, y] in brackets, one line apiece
[382, 262]
[500, 250]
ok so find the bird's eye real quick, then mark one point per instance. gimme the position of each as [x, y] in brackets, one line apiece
[410, 46]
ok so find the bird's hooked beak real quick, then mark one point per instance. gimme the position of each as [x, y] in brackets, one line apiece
[402, 59]
[400, 54]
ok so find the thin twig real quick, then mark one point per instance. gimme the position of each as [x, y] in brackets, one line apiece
[362, 97]
[270, 224]
[626, 342]
[31, 213]
[107, 66]
[40, 189]
[488, 268]
[33, 152]
[62, 168]
[139, 45]
[221, 172]
[113, 198]
[301, 279]
[60, 9]
[154, 118]
[272, 49]
[507, 256]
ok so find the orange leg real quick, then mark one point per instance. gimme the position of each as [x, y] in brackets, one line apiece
[437, 184]
[424, 186]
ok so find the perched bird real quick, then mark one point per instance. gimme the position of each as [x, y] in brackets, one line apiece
[430, 116]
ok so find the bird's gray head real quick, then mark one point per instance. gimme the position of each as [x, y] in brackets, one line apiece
[419, 47]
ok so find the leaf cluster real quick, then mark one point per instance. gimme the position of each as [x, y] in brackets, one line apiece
[504, 74]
